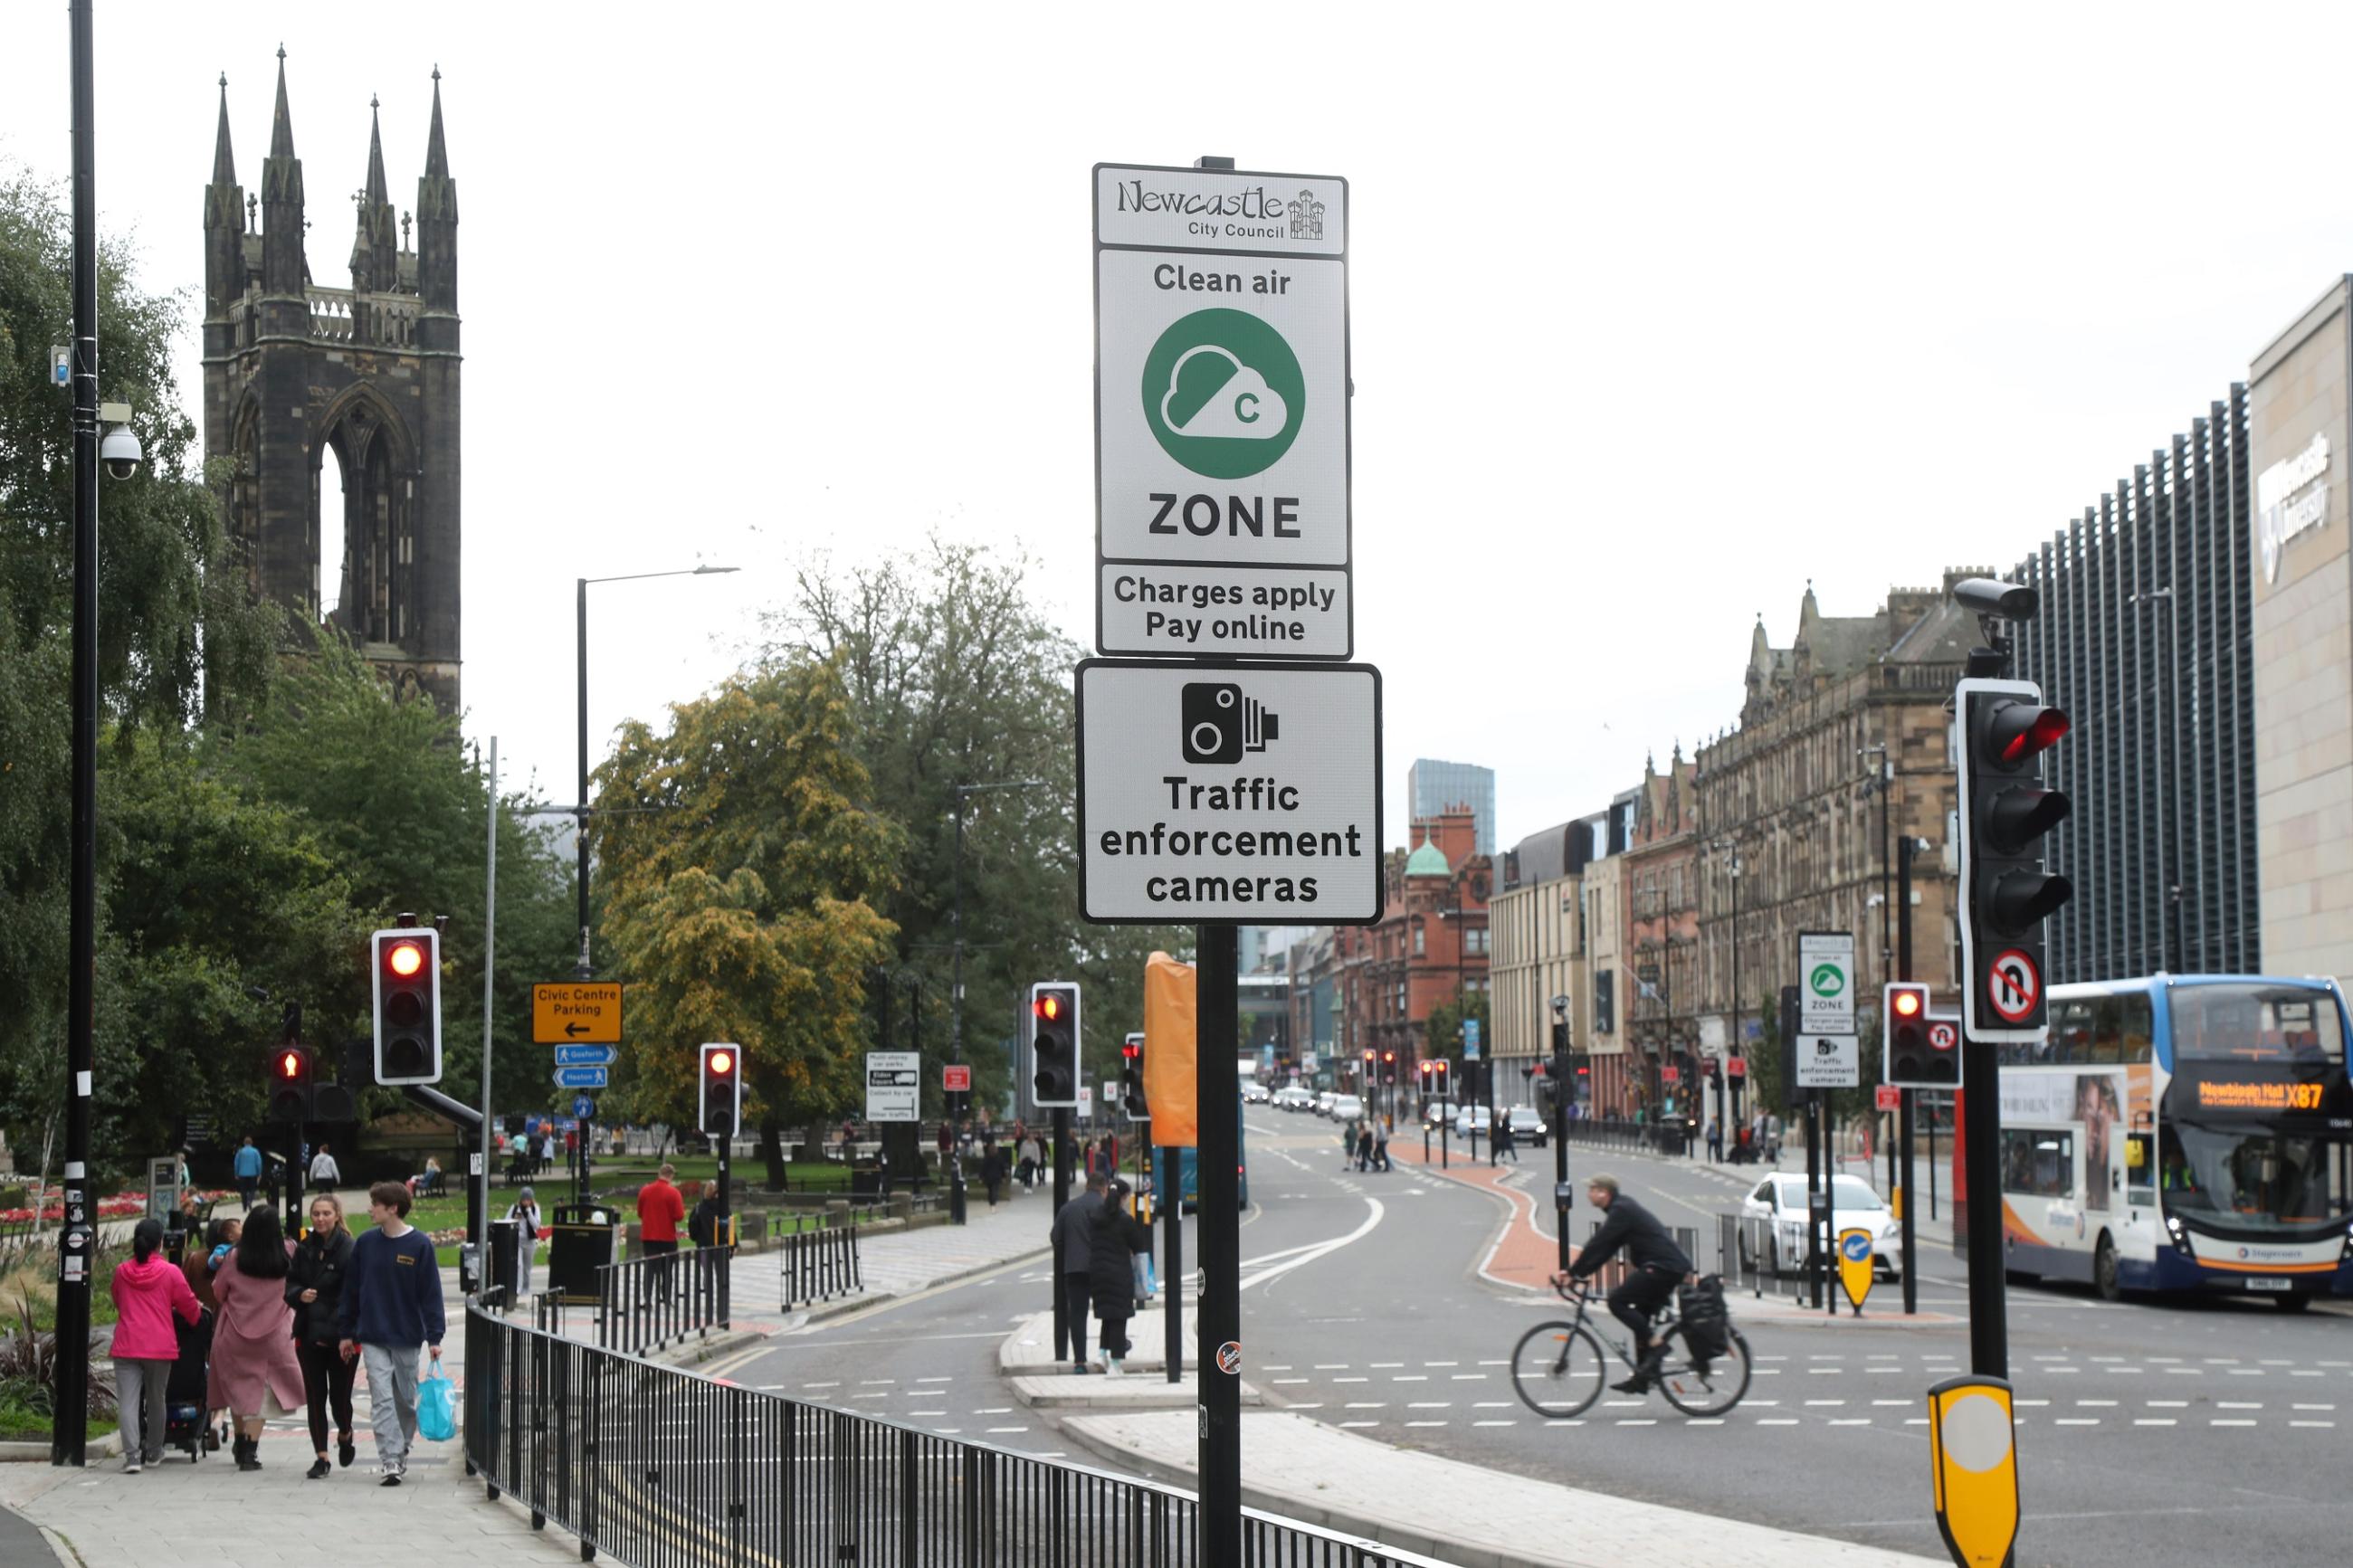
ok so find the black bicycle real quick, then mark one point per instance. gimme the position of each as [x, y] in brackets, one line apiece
[1560, 1368]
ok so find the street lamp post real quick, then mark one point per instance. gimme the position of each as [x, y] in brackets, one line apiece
[582, 969]
[955, 982]
[1732, 1047]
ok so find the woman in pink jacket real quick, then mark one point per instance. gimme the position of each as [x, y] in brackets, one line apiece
[147, 1290]
[255, 1372]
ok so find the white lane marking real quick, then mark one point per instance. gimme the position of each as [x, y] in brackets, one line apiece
[2237, 1404]
[1280, 1381]
[1494, 1424]
[1384, 1365]
[2222, 1423]
[1318, 1249]
[934, 1380]
[2154, 1421]
[1470, 1377]
[2078, 1421]
[1645, 1421]
[1352, 1380]
[1368, 1405]
[1410, 1377]
[1442, 1364]
[995, 1430]
[1356, 1426]
[1432, 1405]
[2312, 1423]
[1425, 1423]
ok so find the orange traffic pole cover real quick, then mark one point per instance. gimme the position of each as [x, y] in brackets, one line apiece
[1170, 1078]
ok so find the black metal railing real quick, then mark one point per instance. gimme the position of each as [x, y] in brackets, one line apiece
[1752, 1257]
[647, 1302]
[1652, 1137]
[818, 1265]
[656, 1465]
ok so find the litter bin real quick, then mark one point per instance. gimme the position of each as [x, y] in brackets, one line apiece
[582, 1239]
[503, 1233]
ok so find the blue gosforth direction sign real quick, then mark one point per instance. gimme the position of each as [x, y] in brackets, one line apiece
[579, 1078]
[586, 1055]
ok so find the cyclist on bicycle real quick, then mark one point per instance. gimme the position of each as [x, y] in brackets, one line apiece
[1656, 1267]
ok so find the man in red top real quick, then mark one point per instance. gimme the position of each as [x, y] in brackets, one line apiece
[660, 1209]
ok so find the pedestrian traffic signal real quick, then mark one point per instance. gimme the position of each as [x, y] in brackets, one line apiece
[289, 1085]
[1914, 1055]
[1054, 1044]
[408, 1004]
[2006, 893]
[1131, 1079]
[719, 1108]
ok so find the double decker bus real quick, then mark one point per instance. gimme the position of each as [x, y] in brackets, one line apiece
[2183, 1134]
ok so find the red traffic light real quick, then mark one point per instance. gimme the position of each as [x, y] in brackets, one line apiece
[721, 1062]
[1389, 1056]
[404, 958]
[1048, 1007]
[1907, 1004]
[289, 1065]
[1131, 1050]
[2020, 729]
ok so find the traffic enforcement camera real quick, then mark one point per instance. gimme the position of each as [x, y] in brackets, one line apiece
[1131, 1079]
[1054, 1043]
[2008, 893]
[718, 1107]
[1915, 1057]
[408, 1004]
[289, 1085]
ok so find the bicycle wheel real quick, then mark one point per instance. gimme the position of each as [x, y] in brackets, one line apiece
[1704, 1390]
[1558, 1369]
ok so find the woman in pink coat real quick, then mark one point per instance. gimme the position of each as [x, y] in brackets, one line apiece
[147, 1290]
[254, 1371]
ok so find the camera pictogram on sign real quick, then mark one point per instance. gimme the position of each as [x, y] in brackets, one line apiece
[1220, 724]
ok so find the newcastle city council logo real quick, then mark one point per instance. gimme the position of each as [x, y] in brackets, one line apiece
[1307, 218]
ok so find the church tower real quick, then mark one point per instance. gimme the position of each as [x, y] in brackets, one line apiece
[293, 370]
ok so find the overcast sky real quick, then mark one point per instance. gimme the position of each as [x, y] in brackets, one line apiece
[1656, 313]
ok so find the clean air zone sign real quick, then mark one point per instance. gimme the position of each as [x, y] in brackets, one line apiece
[1221, 413]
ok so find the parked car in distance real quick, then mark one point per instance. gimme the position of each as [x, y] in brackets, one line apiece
[1529, 1125]
[1473, 1118]
[1780, 1202]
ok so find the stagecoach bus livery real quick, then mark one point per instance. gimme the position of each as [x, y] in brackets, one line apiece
[2183, 1132]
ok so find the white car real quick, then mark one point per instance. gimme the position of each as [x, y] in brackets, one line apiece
[1474, 1118]
[1346, 1108]
[1780, 1201]
[1324, 1098]
[1292, 1099]
[1528, 1125]
[1255, 1094]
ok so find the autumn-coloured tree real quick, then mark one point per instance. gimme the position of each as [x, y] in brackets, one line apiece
[741, 865]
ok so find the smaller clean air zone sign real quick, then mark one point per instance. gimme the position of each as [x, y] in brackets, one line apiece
[1221, 413]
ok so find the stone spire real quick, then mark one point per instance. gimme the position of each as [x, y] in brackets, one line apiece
[223, 162]
[223, 223]
[284, 272]
[376, 252]
[437, 221]
[281, 120]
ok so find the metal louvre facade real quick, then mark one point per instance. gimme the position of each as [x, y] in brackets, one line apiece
[2145, 640]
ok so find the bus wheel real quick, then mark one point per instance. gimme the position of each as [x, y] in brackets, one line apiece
[2103, 1271]
[2292, 1302]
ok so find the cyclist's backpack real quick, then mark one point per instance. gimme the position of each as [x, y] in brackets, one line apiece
[1706, 1320]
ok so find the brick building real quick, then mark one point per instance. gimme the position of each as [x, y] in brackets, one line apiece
[1429, 946]
[1660, 878]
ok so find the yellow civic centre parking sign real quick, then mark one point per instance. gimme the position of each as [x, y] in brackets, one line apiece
[1973, 1454]
[1854, 1267]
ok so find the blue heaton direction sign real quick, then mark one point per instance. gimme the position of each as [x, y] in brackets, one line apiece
[586, 1055]
[579, 1078]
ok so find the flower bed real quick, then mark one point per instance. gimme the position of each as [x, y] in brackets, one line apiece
[119, 1206]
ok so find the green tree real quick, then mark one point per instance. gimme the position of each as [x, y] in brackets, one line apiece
[173, 604]
[955, 675]
[742, 865]
[1444, 1037]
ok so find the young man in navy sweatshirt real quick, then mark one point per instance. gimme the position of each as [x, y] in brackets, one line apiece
[392, 1305]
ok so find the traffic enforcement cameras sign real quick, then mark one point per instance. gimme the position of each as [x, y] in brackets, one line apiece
[1246, 793]
[1221, 413]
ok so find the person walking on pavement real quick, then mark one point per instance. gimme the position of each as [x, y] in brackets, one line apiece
[1028, 1170]
[324, 1173]
[1503, 1140]
[247, 1171]
[1072, 1236]
[314, 1289]
[1715, 1143]
[992, 1167]
[1365, 1144]
[1656, 1267]
[660, 1207]
[254, 1372]
[524, 1213]
[148, 1290]
[391, 1309]
[1380, 1145]
[1111, 1243]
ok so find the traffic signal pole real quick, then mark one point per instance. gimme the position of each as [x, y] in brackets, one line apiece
[1903, 1102]
[1217, 1315]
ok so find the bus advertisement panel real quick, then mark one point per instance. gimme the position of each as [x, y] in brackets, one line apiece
[2185, 1132]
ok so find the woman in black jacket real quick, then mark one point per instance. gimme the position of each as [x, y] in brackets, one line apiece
[314, 1289]
[1111, 1273]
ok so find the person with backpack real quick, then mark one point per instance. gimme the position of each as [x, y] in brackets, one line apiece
[391, 1309]
[148, 1290]
[314, 1290]
[1656, 1267]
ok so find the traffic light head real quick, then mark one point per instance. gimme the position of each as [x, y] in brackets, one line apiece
[407, 968]
[718, 1106]
[1389, 1067]
[1054, 1043]
[2002, 731]
[1131, 1079]
[289, 1085]
[1916, 1054]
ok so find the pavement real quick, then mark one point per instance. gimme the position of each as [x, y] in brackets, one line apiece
[208, 1512]
[1415, 1502]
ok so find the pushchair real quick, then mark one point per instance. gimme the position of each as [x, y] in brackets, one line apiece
[187, 1418]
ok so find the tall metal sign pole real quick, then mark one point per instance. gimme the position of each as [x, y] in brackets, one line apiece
[1213, 789]
[70, 1424]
